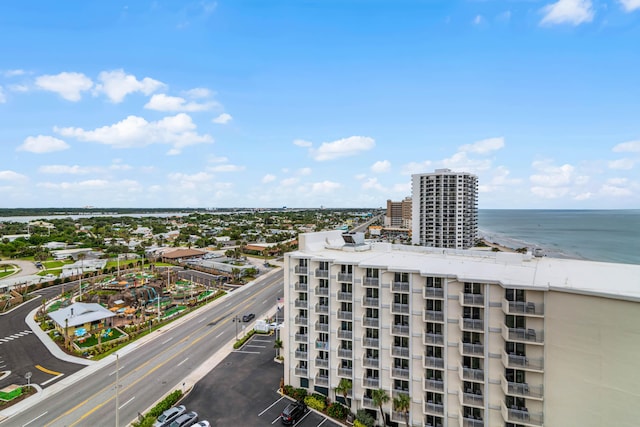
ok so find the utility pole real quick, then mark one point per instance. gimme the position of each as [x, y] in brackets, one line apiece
[117, 391]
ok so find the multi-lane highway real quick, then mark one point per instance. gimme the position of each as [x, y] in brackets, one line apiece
[148, 369]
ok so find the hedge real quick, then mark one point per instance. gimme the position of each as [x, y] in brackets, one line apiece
[150, 417]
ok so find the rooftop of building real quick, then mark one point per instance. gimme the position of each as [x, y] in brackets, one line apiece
[513, 270]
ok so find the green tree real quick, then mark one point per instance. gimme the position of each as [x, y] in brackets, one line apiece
[344, 387]
[380, 397]
[402, 404]
[278, 345]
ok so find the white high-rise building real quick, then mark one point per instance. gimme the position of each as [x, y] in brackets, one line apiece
[475, 338]
[445, 209]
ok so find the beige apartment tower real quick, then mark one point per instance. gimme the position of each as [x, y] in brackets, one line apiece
[445, 209]
[398, 214]
[474, 338]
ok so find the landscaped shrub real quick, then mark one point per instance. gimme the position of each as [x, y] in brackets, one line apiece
[288, 389]
[338, 411]
[314, 402]
[299, 393]
[364, 418]
[166, 403]
[357, 423]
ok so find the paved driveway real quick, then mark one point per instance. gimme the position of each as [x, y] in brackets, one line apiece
[27, 268]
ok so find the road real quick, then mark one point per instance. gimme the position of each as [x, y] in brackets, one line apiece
[148, 370]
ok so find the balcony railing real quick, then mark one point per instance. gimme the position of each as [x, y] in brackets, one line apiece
[433, 385]
[523, 308]
[472, 324]
[322, 273]
[345, 296]
[345, 315]
[471, 299]
[301, 354]
[522, 389]
[514, 361]
[400, 330]
[472, 399]
[370, 302]
[372, 281]
[433, 316]
[302, 337]
[322, 327]
[522, 416]
[322, 291]
[301, 303]
[370, 362]
[398, 351]
[345, 372]
[371, 342]
[433, 362]
[437, 339]
[322, 345]
[400, 308]
[371, 382]
[471, 374]
[301, 287]
[368, 403]
[322, 380]
[400, 373]
[345, 334]
[372, 322]
[322, 308]
[434, 408]
[299, 269]
[434, 293]
[300, 320]
[345, 353]
[302, 372]
[468, 349]
[345, 277]
[532, 336]
[400, 287]
[467, 421]
[322, 363]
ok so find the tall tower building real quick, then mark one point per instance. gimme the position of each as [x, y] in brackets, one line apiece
[445, 209]
[398, 213]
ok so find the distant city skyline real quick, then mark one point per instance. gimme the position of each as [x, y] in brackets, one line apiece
[318, 103]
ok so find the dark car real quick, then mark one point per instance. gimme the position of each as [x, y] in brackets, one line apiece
[169, 415]
[248, 317]
[293, 412]
[185, 420]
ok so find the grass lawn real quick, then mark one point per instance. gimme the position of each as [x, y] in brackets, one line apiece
[8, 272]
[173, 310]
[92, 340]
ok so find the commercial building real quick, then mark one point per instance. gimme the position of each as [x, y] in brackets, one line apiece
[445, 209]
[398, 214]
[474, 338]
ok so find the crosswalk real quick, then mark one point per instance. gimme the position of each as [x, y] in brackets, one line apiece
[15, 336]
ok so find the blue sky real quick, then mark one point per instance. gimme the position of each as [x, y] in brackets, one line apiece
[318, 103]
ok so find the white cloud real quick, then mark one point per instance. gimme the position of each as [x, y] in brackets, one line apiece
[630, 5]
[484, 146]
[478, 20]
[304, 171]
[68, 85]
[227, 168]
[13, 73]
[116, 85]
[343, 148]
[381, 166]
[18, 88]
[624, 164]
[191, 182]
[42, 144]
[404, 188]
[360, 176]
[134, 131]
[3, 98]
[223, 119]
[417, 167]
[373, 184]
[162, 102]
[199, 92]
[615, 190]
[552, 176]
[7, 175]
[215, 159]
[573, 12]
[325, 187]
[287, 182]
[550, 192]
[268, 178]
[66, 169]
[504, 16]
[627, 147]
[302, 143]
[583, 196]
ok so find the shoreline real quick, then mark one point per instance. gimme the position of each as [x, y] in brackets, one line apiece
[495, 245]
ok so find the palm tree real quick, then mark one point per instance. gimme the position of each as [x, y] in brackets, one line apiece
[343, 388]
[380, 397]
[402, 403]
[278, 346]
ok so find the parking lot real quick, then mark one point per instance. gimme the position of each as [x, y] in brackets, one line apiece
[243, 390]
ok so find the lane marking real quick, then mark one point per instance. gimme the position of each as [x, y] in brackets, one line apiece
[57, 377]
[220, 334]
[48, 371]
[271, 406]
[166, 341]
[265, 301]
[41, 415]
[126, 403]
[202, 320]
[182, 362]
[119, 369]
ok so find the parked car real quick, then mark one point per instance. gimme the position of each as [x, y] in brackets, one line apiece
[185, 420]
[203, 423]
[248, 317]
[293, 412]
[169, 415]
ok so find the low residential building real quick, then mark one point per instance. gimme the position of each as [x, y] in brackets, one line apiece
[474, 338]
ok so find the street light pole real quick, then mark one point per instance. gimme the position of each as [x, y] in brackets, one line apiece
[117, 403]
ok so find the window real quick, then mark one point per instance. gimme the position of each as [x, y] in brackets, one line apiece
[400, 298]
[433, 351]
[324, 265]
[473, 288]
[472, 313]
[346, 287]
[372, 273]
[346, 326]
[401, 277]
[434, 282]
[346, 345]
[372, 292]
[372, 353]
[434, 305]
[346, 306]
[401, 341]
[518, 322]
[401, 385]
[516, 348]
[372, 313]
[371, 333]
[515, 295]
[434, 328]
[471, 362]
[400, 363]
[471, 337]
[515, 376]
[400, 320]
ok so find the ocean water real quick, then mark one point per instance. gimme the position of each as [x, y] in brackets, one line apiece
[596, 235]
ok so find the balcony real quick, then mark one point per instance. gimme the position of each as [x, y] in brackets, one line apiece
[299, 354]
[345, 353]
[370, 302]
[433, 408]
[522, 308]
[473, 300]
[400, 287]
[371, 342]
[322, 308]
[529, 336]
[345, 277]
[433, 316]
[522, 389]
[402, 373]
[322, 363]
[468, 349]
[514, 361]
[468, 421]
[323, 274]
[301, 287]
[434, 293]
[371, 382]
[300, 320]
[345, 372]
[322, 327]
[345, 334]
[322, 345]
[322, 380]
[400, 330]
[372, 281]
[399, 417]
[301, 303]
[370, 362]
[371, 322]
[398, 351]
[302, 337]
[476, 325]
[470, 374]
[398, 308]
[298, 269]
[522, 416]
[433, 385]
[437, 339]
[472, 399]
[345, 296]
[322, 291]
[433, 362]
[345, 315]
[301, 372]
[367, 402]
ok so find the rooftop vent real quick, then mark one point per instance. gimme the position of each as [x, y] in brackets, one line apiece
[353, 239]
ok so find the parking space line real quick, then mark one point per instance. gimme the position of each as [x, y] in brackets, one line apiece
[256, 346]
[248, 352]
[300, 420]
[323, 421]
[271, 406]
[276, 420]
